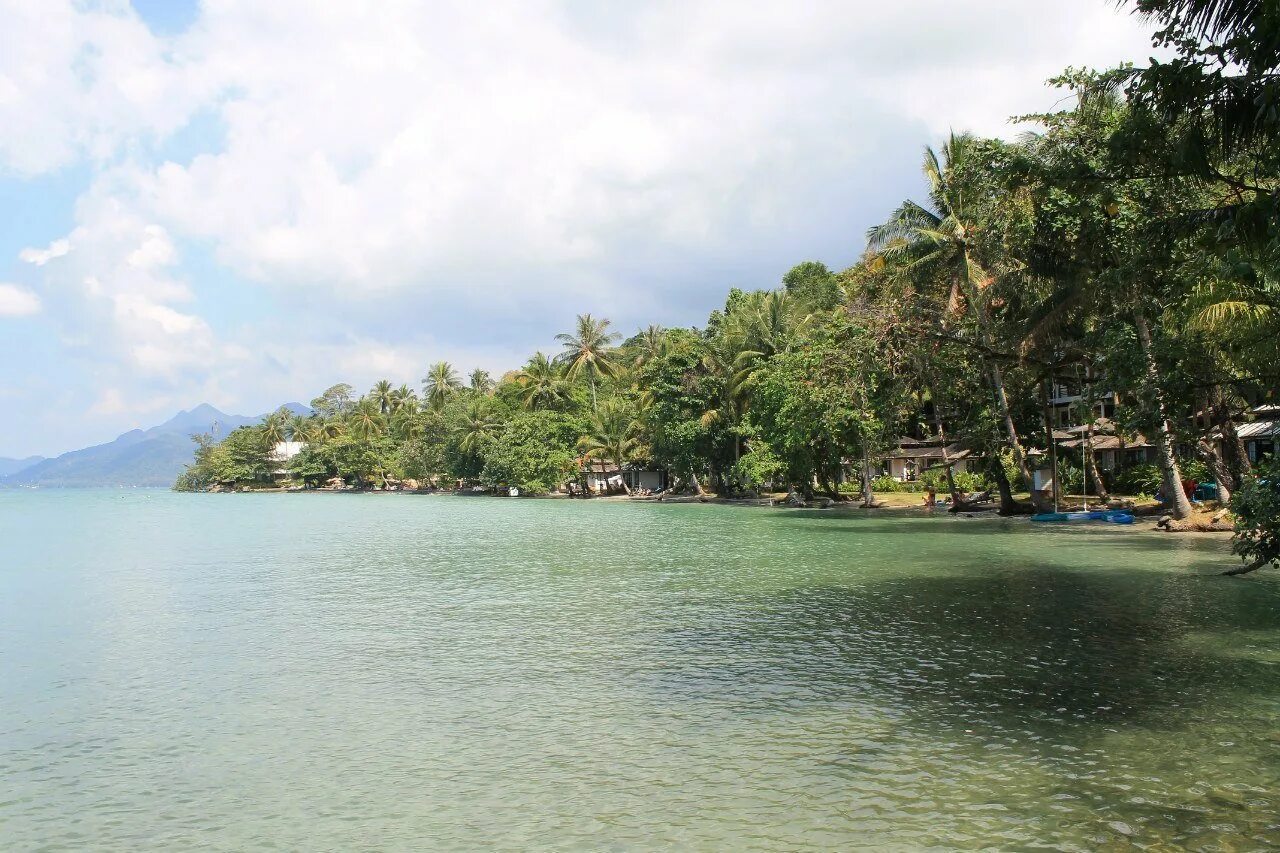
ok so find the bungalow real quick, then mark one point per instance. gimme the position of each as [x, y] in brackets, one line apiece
[1111, 451]
[281, 454]
[603, 477]
[913, 456]
[1261, 437]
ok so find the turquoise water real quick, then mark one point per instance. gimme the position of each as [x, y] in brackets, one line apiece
[392, 671]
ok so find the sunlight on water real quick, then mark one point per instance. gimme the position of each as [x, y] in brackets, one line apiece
[385, 671]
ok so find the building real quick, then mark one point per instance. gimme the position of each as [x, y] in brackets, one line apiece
[604, 477]
[1261, 436]
[912, 457]
[280, 456]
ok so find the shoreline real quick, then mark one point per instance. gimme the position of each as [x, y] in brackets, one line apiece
[1146, 518]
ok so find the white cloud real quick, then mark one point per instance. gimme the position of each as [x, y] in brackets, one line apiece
[17, 301]
[40, 257]
[420, 180]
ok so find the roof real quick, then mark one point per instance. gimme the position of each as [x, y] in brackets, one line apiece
[1110, 442]
[953, 451]
[1259, 429]
[1100, 425]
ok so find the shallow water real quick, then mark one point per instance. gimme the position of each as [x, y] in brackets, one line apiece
[393, 671]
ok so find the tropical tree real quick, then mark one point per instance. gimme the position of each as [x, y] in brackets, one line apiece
[542, 384]
[650, 343]
[440, 382]
[275, 427]
[479, 425]
[481, 382]
[588, 352]
[943, 239]
[612, 436]
[383, 395]
[366, 420]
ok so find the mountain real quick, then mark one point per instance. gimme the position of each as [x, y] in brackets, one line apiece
[150, 457]
[13, 466]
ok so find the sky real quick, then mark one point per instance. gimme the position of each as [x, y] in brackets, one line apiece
[242, 203]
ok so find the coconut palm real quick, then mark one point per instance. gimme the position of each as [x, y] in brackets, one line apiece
[542, 383]
[478, 426]
[652, 344]
[441, 381]
[943, 241]
[588, 351]
[383, 395]
[366, 420]
[298, 428]
[729, 358]
[275, 427]
[612, 436]
[481, 382]
[403, 398]
[406, 424]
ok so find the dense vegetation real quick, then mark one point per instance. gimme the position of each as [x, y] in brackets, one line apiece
[1132, 240]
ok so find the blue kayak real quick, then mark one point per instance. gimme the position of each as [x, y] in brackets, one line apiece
[1114, 516]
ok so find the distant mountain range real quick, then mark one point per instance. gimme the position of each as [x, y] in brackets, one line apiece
[150, 457]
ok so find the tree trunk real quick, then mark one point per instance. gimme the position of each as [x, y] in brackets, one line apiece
[623, 477]
[1234, 457]
[1209, 456]
[1091, 460]
[697, 487]
[1248, 567]
[957, 500]
[1008, 506]
[996, 375]
[1051, 445]
[868, 499]
[1170, 476]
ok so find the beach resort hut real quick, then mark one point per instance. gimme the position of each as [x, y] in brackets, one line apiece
[605, 477]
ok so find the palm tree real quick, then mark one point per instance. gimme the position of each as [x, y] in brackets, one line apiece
[943, 240]
[728, 358]
[612, 436]
[403, 398]
[299, 428]
[652, 345]
[406, 424]
[275, 427]
[481, 382]
[331, 428]
[366, 421]
[441, 381]
[541, 383]
[588, 351]
[479, 424]
[383, 395]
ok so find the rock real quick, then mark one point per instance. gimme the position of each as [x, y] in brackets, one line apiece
[1165, 521]
[410, 485]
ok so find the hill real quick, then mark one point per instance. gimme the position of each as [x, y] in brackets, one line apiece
[150, 457]
[12, 466]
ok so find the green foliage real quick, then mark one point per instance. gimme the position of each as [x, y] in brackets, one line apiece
[813, 285]
[1138, 479]
[533, 451]
[1256, 506]
[756, 468]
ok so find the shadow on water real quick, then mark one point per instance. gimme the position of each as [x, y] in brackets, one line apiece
[1007, 648]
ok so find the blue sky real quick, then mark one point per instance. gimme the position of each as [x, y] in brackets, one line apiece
[241, 203]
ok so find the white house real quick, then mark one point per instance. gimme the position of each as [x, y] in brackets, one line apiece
[282, 453]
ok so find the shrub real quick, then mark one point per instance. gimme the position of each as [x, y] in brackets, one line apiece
[1140, 479]
[1256, 506]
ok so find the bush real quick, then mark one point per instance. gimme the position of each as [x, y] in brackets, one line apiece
[1140, 479]
[1256, 506]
